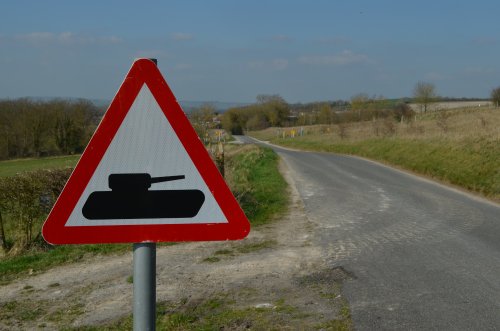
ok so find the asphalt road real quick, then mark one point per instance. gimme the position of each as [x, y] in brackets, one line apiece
[422, 256]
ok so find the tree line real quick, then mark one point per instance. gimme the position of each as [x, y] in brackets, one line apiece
[269, 110]
[424, 94]
[274, 111]
[31, 128]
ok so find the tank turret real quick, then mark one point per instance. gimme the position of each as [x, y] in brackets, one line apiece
[136, 181]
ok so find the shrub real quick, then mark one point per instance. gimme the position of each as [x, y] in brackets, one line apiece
[25, 200]
[442, 120]
[384, 127]
[403, 113]
[342, 130]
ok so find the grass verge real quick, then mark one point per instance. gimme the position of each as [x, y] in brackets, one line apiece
[257, 183]
[460, 147]
[467, 165]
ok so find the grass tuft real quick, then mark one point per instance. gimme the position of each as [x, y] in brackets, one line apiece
[211, 259]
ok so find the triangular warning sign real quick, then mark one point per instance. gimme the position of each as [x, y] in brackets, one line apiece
[145, 176]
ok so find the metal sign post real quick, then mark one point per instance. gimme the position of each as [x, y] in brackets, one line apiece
[144, 286]
[144, 278]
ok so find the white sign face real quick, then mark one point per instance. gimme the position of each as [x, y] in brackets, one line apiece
[146, 144]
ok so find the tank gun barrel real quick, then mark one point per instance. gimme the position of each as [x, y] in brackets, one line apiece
[137, 181]
[166, 178]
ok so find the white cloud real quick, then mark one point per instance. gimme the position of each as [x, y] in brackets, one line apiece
[343, 58]
[152, 54]
[479, 71]
[281, 38]
[255, 64]
[35, 37]
[275, 64]
[280, 64]
[41, 37]
[182, 36]
[486, 41]
[334, 40]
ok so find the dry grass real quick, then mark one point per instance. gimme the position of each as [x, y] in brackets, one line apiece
[463, 124]
[460, 146]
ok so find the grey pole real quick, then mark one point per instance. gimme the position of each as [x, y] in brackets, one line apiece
[145, 284]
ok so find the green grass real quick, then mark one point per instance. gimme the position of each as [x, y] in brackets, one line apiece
[241, 248]
[224, 252]
[11, 167]
[218, 313]
[258, 184]
[459, 146]
[25, 310]
[473, 164]
[253, 247]
[211, 259]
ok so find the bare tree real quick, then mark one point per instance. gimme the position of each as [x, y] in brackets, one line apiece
[202, 119]
[495, 96]
[325, 114]
[424, 94]
[275, 108]
[359, 101]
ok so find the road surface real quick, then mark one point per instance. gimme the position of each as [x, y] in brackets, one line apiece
[422, 256]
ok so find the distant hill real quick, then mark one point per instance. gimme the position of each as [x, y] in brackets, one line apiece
[220, 107]
[187, 106]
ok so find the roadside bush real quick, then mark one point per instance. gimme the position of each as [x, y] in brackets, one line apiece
[25, 200]
[416, 129]
[342, 130]
[384, 127]
[270, 110]
[442, 120]
[403, 113]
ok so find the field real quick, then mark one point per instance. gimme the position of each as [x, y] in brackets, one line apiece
[459, 147]
[11, 167]
[447, 105]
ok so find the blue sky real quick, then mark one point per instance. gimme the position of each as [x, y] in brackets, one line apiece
[234, 50]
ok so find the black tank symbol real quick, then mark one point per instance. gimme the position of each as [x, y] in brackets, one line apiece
[130, 198]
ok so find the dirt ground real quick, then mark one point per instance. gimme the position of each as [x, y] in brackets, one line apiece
[277, 264]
